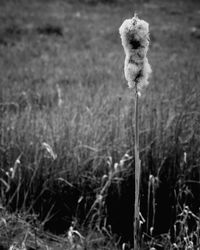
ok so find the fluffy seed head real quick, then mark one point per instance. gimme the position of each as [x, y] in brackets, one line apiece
[135, 41]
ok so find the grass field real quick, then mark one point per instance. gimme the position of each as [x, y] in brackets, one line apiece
[66, 118]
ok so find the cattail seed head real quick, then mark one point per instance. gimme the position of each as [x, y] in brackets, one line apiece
[135, 41]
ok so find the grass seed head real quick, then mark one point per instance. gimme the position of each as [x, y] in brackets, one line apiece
[49, 150]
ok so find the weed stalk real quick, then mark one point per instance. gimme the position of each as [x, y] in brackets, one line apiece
[137, 177]
[135, 41]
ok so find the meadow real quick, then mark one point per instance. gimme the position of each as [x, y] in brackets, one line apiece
[67, 126]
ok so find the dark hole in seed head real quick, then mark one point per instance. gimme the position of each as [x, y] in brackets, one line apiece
[135, 44]
[139, 75]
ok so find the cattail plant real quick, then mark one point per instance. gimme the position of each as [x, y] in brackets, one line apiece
[135, 41]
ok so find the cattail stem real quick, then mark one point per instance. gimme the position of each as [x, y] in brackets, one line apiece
[137, 178]
[135, 41]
